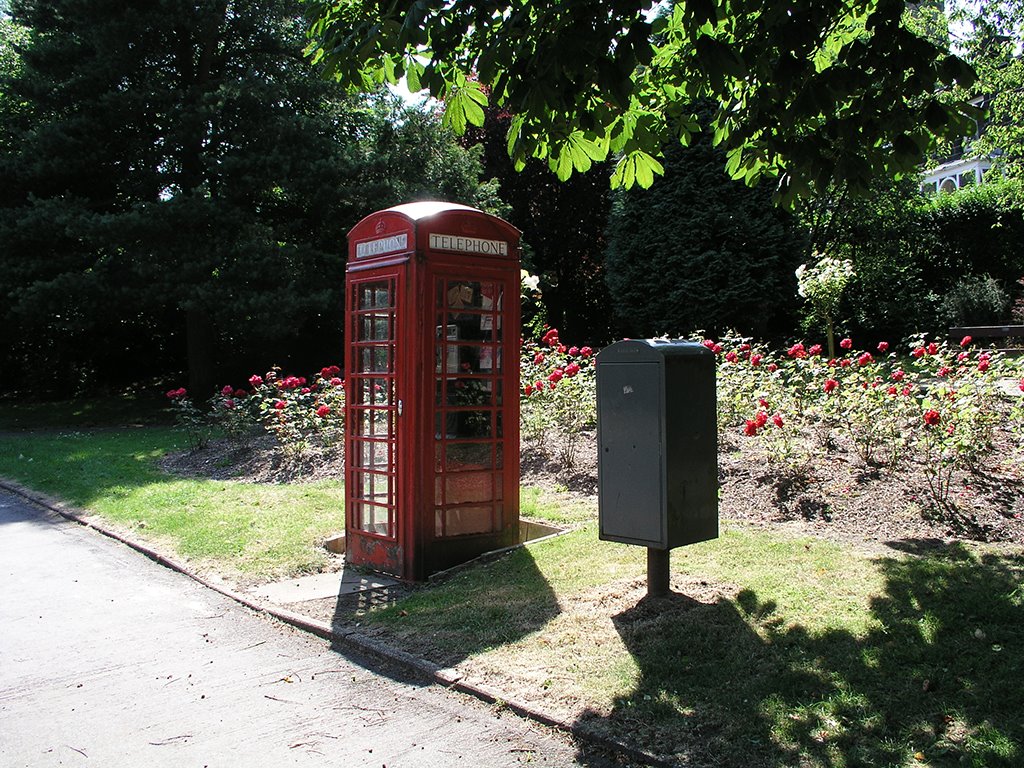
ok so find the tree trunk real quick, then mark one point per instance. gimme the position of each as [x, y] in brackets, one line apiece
[201, 344]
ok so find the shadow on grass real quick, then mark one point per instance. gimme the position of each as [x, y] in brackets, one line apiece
[82, 467]
[935, 679]
[492, 604]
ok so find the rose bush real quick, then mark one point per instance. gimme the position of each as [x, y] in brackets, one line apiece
[558, 396]
[302, 414]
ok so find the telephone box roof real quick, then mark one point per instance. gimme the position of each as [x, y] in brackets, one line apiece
[427, 208]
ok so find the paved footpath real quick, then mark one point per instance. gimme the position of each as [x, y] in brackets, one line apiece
[108, 659]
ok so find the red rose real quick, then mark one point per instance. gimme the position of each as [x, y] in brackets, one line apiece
[586, 351]
[755, 360]
[772, 367]
[830, 385]
[846, 343]
[945, 371]
[933, 348]
[717, 349]
[983, 365]
[777, 420]
[962, 356]
[731, 357]
[227, 390]
[865, 359]
[538, 385]
[797, 351]
[919, 352]
[708, 343]
[279, 405]
[931, 417]
[762, 402]
[814, 350]
[561, 349]
[336, 382]
[750, 428]
[241, 393]
[892, 390]
[906, 391]
[229, 404]
[574, 351]
[965, 341]
[844, 363]
[571, 370]
[323, 411]
[898, 375]
[744, 347]
[761, 418]
[883, 347]
[538, 358]
[1021, 385]
[528, 390]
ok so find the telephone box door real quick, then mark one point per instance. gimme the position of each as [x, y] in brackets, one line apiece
[373, 527]
[474, 505]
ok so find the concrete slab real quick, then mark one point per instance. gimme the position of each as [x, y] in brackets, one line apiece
[320, 585]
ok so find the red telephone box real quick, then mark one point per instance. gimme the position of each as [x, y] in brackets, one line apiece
[432, 384]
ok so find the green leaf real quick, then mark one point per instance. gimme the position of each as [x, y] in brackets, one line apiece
[636, 167]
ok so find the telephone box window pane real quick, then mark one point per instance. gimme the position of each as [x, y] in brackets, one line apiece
[375, 295]
[472, 326]
[372, 487]
[497, 393]
[498, 432]
[373, 391]
[470, 424]
[374, 423]
[438, 523]
[375, 327]
[498, 489]
[469, 358]
[466, 520]
[486, 360]
[499, 456]
[374, 519]
[465, 487]
[374, 359]
[467, 392]
[470, 294]
[463, 456]
[373, 455]
[456, 425]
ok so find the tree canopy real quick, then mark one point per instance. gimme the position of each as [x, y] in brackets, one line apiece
[806, 92]
[177, 187]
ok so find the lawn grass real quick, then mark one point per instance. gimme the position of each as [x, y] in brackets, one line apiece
[243, 530]
[773, 651]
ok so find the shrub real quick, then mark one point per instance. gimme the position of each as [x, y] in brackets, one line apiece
[974, 300]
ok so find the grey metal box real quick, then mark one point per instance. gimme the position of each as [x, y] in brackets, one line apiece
[657, 443]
